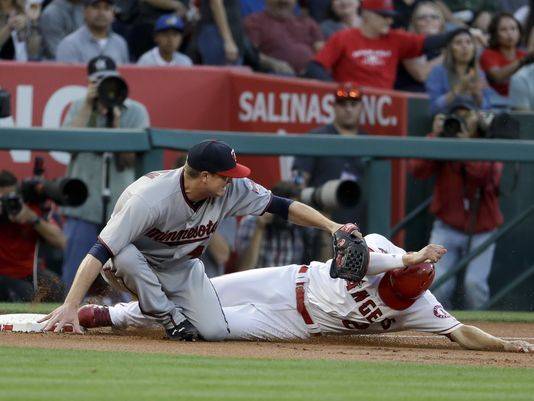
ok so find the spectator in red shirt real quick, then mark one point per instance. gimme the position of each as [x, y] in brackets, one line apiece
[503, 58]
[369, 55]
[466, 205]
[286, 42]
[19, 236]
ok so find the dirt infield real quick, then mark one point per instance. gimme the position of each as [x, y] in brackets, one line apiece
[400, 347]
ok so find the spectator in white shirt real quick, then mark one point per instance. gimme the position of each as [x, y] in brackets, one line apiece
[168, 34]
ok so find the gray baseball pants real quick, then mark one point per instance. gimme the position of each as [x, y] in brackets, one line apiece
[176, 292]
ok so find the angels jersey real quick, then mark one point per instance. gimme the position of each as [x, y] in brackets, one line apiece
[339, 306]
[260, 304]
[155, 215]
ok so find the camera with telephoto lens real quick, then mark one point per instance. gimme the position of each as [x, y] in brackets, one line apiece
[63, 191]
[489, 125]
[37, 191]
[112, 91]
[10, 205]
[332, 195]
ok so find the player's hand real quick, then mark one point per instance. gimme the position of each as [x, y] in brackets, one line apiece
[518, 346]
[431, 253]
[351, 227]
[63, 316]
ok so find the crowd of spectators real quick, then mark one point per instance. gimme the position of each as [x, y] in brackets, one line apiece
[444, 47]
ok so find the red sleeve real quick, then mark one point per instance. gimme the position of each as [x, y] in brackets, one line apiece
[421, 168]
[252, 25]
[331, 51]
[488, 60]
[410, 45]
[484, 172]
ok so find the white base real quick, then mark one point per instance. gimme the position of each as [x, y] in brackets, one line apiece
[22, 322]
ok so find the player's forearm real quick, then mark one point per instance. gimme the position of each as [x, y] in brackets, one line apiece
[471, 337]
[86, 274]
[383, 262]
[304, 215]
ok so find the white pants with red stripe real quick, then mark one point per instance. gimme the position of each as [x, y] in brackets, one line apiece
[258, 304]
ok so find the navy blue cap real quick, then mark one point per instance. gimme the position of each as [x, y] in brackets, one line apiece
[216, 157]
[169, 21]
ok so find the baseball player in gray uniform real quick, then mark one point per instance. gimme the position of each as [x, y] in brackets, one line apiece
[160, 226]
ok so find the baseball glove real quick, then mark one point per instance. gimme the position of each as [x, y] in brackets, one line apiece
[351, 255]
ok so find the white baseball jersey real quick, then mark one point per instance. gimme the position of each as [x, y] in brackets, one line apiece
[155, 215]
[261, 304]
[341, 306]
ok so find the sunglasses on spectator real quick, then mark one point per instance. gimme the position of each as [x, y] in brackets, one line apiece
[344, 95]
[433, 17]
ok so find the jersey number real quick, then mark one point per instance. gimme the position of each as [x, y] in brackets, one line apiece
[349, 324]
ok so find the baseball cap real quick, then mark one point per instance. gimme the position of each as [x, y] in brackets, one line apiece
[169, 21]
[382, 7]
[87, 3]
[101, 66]
[462, 102]
[348, 92]
[400, 288]
[216, 157]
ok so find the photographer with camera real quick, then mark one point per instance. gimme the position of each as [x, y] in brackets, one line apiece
[465, 203]
[22, 226]
[312, 171]
[105, 105]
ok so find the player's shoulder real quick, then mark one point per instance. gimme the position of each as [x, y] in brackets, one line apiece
[244, 185]
[156, 186]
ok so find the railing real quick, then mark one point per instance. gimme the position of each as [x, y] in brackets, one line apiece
[151, 142]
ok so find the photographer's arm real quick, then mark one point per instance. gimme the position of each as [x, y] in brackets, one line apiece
[50, 232]
[78, 117]
[483, 172]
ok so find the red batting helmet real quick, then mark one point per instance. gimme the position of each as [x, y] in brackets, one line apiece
[400, 288]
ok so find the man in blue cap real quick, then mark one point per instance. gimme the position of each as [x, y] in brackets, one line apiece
[168, 36]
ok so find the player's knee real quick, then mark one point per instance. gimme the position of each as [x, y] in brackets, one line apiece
[214, 332]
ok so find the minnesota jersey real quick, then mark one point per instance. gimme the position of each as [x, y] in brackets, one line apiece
[155, 215]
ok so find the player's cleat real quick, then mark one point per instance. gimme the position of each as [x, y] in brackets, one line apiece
[91, 316]
[185, 331]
